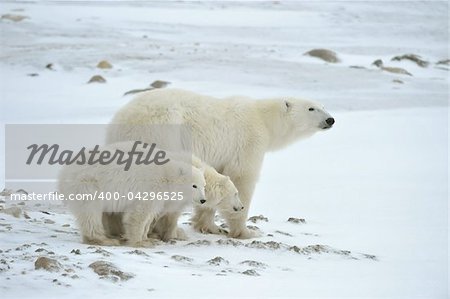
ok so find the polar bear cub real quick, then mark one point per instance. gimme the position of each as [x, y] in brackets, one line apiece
[128, 189]
[221, 194]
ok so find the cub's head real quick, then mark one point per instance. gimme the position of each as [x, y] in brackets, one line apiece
[222, 194]
[289, 119]
[198, 186]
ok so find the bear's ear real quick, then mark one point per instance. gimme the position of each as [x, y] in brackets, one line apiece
[287, 105]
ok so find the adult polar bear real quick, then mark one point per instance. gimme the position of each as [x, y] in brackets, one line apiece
[231, 134]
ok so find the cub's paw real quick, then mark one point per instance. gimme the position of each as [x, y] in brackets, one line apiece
[212, 229]
[149, 243]
[102, 242]
[244, 233]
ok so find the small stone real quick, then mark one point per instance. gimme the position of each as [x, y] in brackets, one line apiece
[250, 272]
[296, 220]
[137, 252]
[104, 64]
[396, 70]
[378, 63]
[397, 81]
[97, 79]
[32, 74]
[4, 265]
[49, 66]
[109, 271]
[13, 211]
[444, 61]
[217, 261]
[6, 192]
[324, 54]
[255, 219]
[47, 264]
[412, 57]
[199, 243]
[356, 67]
[66, 225]
[22, 191]
[76, 251]
[283, 233]
[159, 84]
[254, 264]
[180, 258]
[14, 18]
[49, 221]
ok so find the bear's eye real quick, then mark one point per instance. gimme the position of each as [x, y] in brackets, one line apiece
[311, 109]
[194, 186]
[288, 105]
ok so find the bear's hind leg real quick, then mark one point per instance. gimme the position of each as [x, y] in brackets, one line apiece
[136, 225]
[203, 221]
[91, 227]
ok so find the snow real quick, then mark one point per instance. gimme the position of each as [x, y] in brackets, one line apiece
[375, 185]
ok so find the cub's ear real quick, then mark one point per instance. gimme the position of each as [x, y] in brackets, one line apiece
[287, 105]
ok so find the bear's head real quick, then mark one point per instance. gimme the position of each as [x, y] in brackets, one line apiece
[198, 186]
[291, 119]
[221, 193]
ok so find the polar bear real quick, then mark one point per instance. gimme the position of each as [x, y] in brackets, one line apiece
[221, 195]
[139, 194]
[220, 192]
[232, 134]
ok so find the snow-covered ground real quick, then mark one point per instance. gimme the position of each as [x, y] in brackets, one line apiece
[373, 190]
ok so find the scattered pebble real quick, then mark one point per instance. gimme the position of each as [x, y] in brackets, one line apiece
[296, 220]
[109, 271]
[283, 233]
[49, 221]
[47, 264]
[199, 243]
[397, 81]
[444, 61]
[324, 54]
[137, 252]
[159, 84]
[97, 79]
[6, 192]
[412, 57]
[14, 18]
[217, 261]
[357, 67]
[251, 272]
[104, 64]
[180, 258]
[49, 66]
[395, 70]
[76, 251]
[254, 264]
[255, 219]
[4, 266]
[13, 211]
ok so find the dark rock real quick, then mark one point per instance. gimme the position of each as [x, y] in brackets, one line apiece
[47, 264]
[324, 54]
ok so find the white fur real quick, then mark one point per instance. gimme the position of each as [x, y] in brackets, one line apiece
[137, 215]
[232, 135]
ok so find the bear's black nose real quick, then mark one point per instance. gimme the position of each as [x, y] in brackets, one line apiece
[330, 121]
[202, 201]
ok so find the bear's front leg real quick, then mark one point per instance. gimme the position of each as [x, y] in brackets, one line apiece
[203, 221]
[136, 225]
[237, 221]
